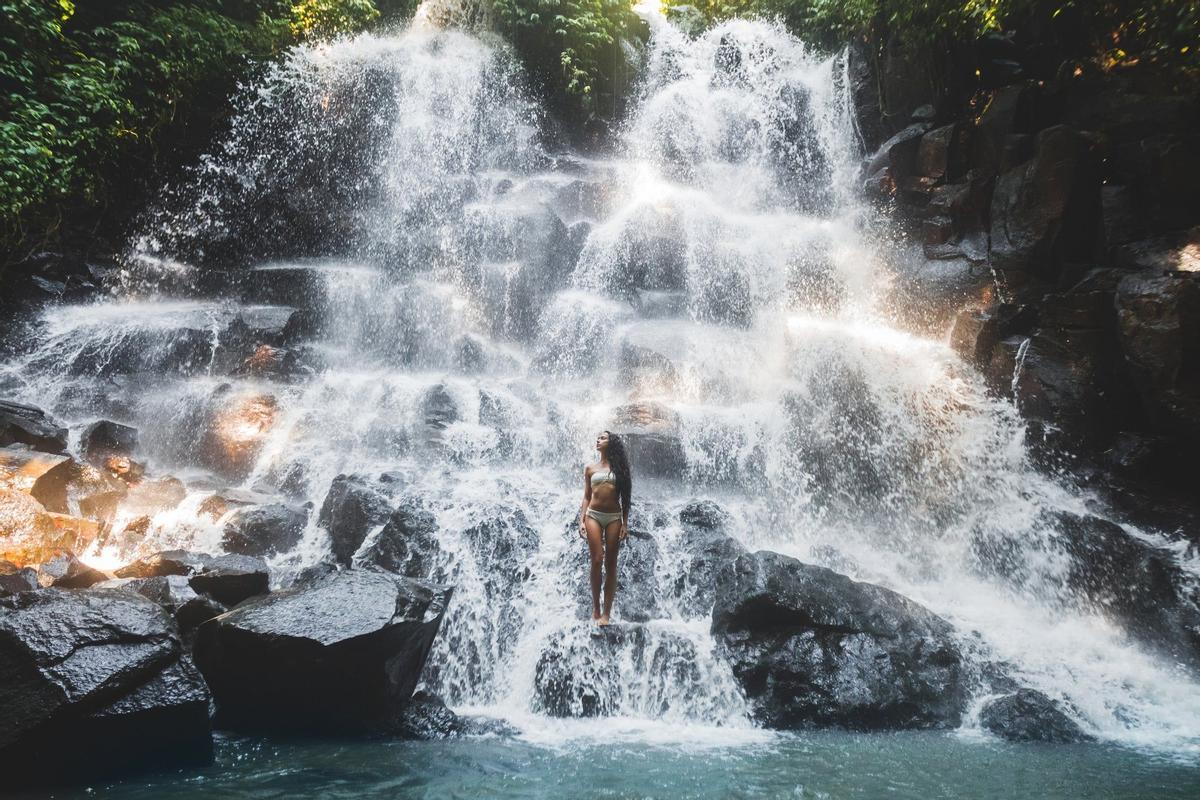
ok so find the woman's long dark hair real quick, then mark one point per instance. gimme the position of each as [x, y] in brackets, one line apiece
[618, 462]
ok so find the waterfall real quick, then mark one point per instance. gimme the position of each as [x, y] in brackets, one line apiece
[474, 303]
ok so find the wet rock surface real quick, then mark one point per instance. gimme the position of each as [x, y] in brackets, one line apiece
[29, 425]
[1029, 716]
[353, 642]
[811, 648]
[15, 579]
[1139, 585]
[94, 662]
[427, 718]
[228, 579]
[105, 438]
[353, 506]
[64, 570]
[407, 545]
[264, 530]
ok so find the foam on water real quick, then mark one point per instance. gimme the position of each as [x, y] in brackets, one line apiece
[716, 269]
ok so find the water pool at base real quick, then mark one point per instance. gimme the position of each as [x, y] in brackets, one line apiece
[921, 766]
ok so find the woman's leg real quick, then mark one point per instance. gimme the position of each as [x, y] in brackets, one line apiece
[612, 544]
[595, 542]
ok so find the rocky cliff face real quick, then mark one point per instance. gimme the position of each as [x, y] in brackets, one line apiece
[1053, 209]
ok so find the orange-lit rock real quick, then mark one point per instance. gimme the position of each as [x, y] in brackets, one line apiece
[81, 532]
[42, 475]
[28, 534]
[237, 433]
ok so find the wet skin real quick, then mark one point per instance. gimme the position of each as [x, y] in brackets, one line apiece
[603, 545]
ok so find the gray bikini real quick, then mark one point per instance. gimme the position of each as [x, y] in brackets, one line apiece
[605, 518]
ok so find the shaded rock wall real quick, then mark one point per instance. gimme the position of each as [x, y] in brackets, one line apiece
[1058, 230]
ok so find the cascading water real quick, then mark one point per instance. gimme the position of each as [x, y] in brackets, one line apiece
[484, 304]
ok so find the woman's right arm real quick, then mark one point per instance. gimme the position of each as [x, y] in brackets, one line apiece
[587, 499]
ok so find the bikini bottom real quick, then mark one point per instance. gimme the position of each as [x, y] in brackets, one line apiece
[605, 518]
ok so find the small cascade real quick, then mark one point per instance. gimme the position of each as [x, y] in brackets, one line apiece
[451, 308]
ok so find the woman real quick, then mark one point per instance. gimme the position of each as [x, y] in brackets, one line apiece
[604, 517]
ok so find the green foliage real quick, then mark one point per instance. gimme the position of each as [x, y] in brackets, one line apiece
[87, 90]
[574, 44]
[323, 18]
[1118, 31]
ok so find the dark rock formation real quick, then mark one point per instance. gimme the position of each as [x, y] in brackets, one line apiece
[94, 688]
[28, 425]
[439, 408]
[1158, 319]
[1029, 716]
[709, 549]
[264, 530]
[407, 545]
[176, 595]
[813, 648]
[64, 571]
[228, 579]
[1138, 584]
[344, 652]
[1045, 212]
[65, 655]
[352, 508]
[105, 438]
[426, 718]
[15, 579]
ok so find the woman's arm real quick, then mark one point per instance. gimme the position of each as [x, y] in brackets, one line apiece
[587, 499]
[624, 520]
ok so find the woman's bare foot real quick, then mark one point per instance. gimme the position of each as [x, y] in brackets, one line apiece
[603, 620]
[596, 616]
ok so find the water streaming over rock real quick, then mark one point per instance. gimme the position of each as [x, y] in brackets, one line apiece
[452, 307]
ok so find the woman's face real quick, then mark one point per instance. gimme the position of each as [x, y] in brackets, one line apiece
[602, 441]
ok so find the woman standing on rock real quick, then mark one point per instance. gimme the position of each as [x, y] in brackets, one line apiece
[604, 517]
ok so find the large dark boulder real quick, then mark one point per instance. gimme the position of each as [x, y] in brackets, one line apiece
[812, 648]
[1046, 212]
[1139, 585]
[353, 506]
[159, 725]
[708, 548]
[407, 545]
[264, 530]
[228, 579]
[67, 653]
[105, 438]
[1158, 322]
[1061, 377]
[344, 651]
[29, 425]
[1029, 716]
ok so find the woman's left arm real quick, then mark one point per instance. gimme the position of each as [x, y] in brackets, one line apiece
[624, 521]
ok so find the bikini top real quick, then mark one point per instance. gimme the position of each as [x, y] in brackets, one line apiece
[603, 477]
